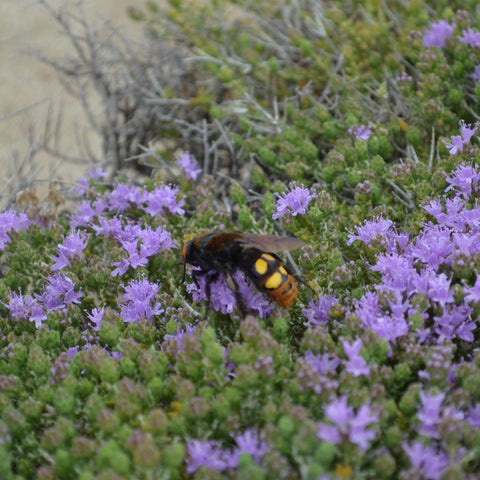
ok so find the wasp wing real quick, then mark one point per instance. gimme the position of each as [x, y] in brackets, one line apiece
[269, 243]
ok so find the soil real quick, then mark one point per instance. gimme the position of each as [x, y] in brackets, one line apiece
[29, 89]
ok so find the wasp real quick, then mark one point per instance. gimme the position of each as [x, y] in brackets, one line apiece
[216, 253]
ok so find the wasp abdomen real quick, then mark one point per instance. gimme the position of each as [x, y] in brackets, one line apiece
[271, 276]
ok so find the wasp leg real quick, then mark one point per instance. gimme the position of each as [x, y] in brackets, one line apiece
[233, 284]
[209, 278]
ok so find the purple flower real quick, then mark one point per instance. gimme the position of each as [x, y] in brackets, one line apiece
[466, 244]
[433, 246]
[125, 196]
[205, 454]
[87, 211]
[11, 221]
[152, 242]
[254, 301]
[476, 74]
[155, 241]
[83, 186]
[456, 214]
[188, 165]
[133, 260]
[116, 354]
[473, 417]
[467, 131]
[397, 271]
[329, 433]
[72, 351]
[435, 286]
[374, 229]
[94, 173]
[429, 415]
[456, 144]
[348, 425]
[367, 307]
[360, 132]
[389, 327]
[469, 221]
[109, 227]
[16, 306]
[25, 307]
[473, 293]
[163, 199]
[455, 322]
[317, 311]
[434, 208]
[464, 180]
[96, 318]
[59, 292]
[73, 245]
[458, 217]
[222, 296]
[470, 37]
[85, 214]
[358, 427]
[140, 302]
[249, 442]
[426, 461]
[356, 364]
[322, 364]
[459, 142]
[294, 202]
[129, 232]
[438, 34]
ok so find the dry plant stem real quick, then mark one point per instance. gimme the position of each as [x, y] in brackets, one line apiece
[108, 63]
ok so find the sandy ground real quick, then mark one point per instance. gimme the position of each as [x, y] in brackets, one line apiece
[28, 88]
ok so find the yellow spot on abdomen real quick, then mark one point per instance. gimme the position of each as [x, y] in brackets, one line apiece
[274, 281]
[261, 266]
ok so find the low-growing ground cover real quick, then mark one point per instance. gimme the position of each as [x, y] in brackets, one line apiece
[352, 127]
